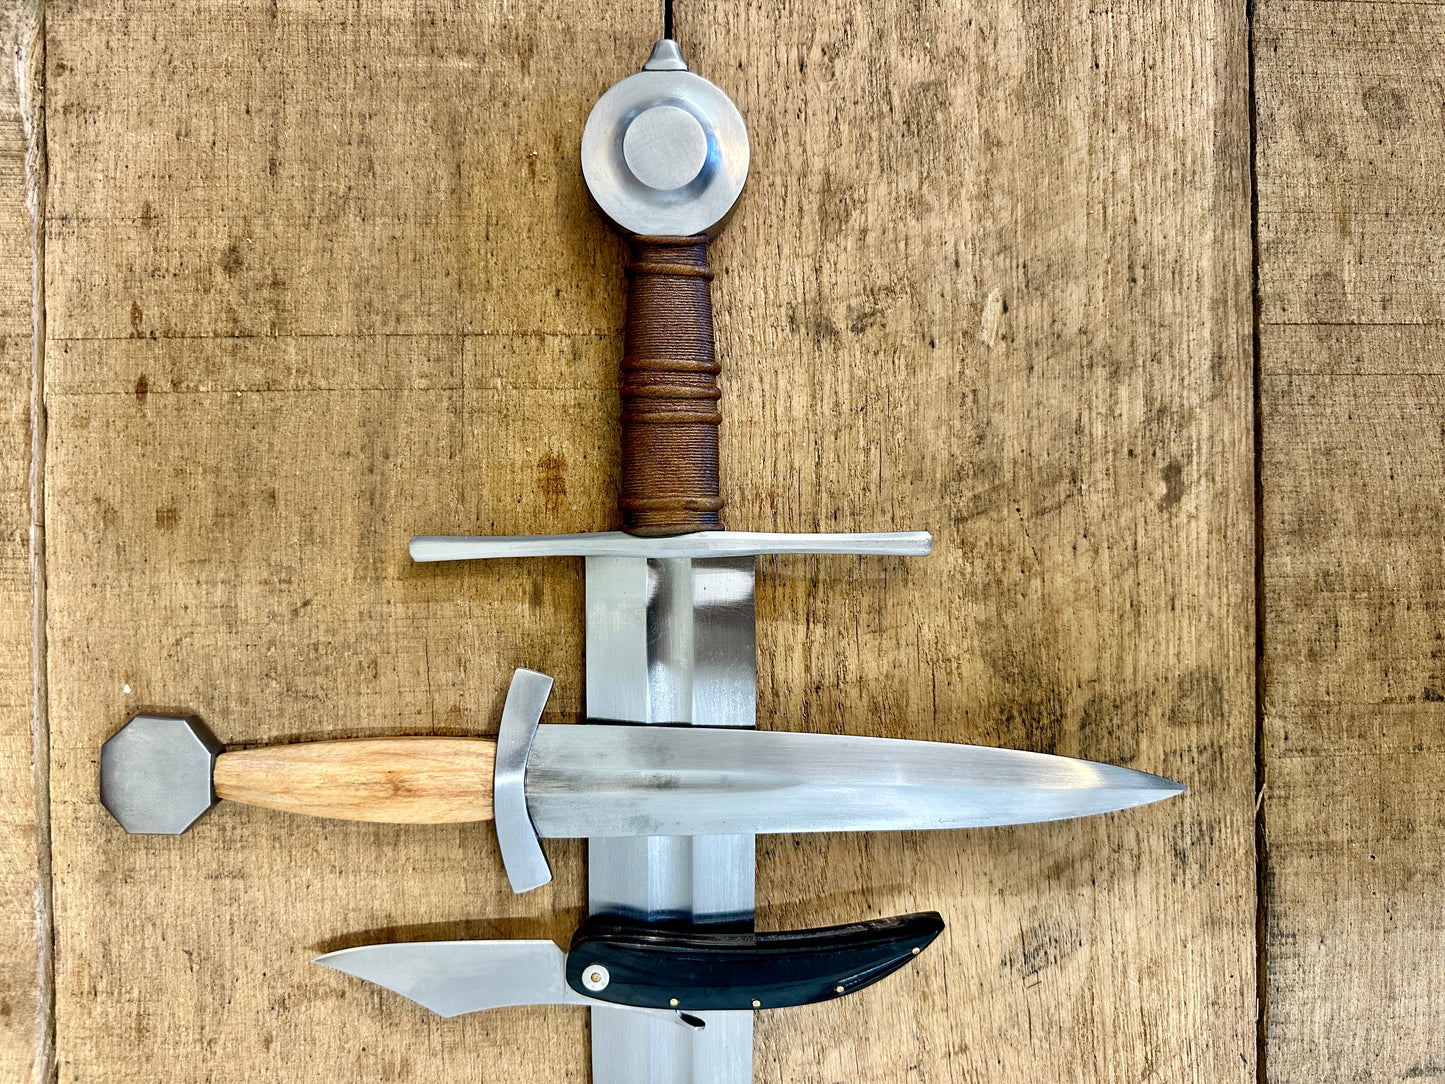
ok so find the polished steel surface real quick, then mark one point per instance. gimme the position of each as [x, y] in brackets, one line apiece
[456, 977]
[665, 147]
[155, 773]
[653, 172]
[702, 544]
[522, 855]
[671, 640]
[638, 781]
[666, 57]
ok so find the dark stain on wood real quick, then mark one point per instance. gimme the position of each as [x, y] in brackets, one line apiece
[1107, 732]
[1173, 475]
[1041, 946]
[552, 481]
[1198, 701]
[231, 261]
[1387, 107]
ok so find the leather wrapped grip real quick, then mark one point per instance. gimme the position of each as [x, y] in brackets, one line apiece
[670, 413]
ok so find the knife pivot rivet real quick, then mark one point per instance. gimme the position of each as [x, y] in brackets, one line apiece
[837, 989]
[916, 950]
[672, 1002]
[596, 977]
[757, 1004]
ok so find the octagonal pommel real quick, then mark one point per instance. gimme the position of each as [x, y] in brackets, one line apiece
[155, 773]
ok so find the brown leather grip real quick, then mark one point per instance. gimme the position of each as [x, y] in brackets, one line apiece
[670, 396]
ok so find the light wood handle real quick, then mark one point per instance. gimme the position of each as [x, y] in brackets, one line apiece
[391, 780]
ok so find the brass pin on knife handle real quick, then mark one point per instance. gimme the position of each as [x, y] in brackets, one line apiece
[670, 395]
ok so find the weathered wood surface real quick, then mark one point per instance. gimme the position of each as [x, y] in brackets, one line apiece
[990, 277]
[1352, 358]
[22, 989]
[322, 277]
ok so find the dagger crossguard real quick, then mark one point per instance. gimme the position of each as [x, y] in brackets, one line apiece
[522, 854]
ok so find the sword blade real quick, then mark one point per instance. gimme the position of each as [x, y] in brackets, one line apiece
[599, 779]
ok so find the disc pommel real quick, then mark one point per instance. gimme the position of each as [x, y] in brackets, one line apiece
[665, 152]
[155, 773]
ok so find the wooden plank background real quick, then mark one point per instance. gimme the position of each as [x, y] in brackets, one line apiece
[1352, 356]
[24, 1041]
[324, 276]
[990, 278]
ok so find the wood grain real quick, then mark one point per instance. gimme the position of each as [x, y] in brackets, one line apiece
[1352, 360]
[23, 953]
[990, 277]
[325, 276]
[384, 780]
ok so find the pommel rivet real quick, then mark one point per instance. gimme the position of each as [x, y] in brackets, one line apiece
[665, 147]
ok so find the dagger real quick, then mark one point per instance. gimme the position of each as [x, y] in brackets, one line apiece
[563, 781]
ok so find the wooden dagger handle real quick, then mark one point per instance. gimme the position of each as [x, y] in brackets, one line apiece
[670, 395]
[391, 780]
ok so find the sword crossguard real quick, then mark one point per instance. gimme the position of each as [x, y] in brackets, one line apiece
[708, 544]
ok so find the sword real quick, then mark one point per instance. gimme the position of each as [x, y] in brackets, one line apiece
[669, 626]
[670, 810]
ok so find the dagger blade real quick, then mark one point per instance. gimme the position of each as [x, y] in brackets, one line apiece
[600, 779]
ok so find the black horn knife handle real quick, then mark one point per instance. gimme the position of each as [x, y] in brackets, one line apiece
[670, 412]
[690, 969]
